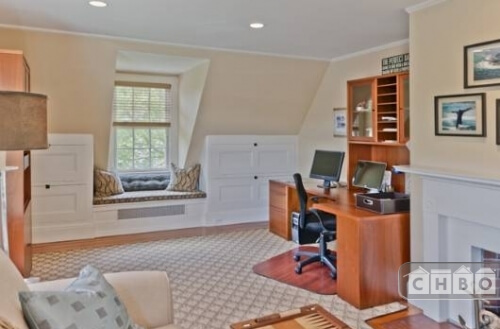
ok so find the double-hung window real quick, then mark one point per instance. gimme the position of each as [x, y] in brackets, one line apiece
[142, 122]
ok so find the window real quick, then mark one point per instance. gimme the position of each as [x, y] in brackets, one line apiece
[142, 126]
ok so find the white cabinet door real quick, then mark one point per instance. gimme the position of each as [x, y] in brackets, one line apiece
[62, 164]
[232, 193]
[231, 160]
[60, 205]
[271, 159]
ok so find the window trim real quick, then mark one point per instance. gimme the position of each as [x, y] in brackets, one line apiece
[172, 83]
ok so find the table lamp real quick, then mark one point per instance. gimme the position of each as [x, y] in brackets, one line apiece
[23, 126]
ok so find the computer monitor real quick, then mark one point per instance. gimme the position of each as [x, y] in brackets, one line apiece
[327, 165]
[369, 175]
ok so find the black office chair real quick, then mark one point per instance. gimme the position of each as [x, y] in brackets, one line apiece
[319, 222]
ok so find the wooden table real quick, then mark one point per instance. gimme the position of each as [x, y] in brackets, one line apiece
[370, 247]
[307, 317]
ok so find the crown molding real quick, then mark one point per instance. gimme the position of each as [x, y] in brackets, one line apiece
[371, 50]
[423, 5]
[162, 43]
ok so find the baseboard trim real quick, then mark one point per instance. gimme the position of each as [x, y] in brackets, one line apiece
[142, 237]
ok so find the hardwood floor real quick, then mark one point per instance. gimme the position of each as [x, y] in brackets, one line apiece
[142, 237]
[411, 318]
[315, 277]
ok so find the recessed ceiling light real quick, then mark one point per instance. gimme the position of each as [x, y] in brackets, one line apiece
[256, 25]
[99, 4]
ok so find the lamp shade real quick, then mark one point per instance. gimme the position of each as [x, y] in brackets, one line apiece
[23, 121]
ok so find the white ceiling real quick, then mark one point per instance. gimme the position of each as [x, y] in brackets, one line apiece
[323, 29]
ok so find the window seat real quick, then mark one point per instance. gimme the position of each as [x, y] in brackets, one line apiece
[152, 195]
[146, 206]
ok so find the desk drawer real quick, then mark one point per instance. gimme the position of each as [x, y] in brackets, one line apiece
[279, 223]
[277, 195]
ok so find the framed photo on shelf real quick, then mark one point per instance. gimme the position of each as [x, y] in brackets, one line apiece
[460, 115]
[482, 64]
[340, 122]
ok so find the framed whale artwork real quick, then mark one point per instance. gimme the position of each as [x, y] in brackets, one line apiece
[460, 115]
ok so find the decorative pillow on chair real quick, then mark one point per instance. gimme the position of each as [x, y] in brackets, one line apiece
[106, 183]
[184, 180]
[89, 302]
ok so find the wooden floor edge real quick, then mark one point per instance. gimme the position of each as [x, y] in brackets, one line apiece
[384, 321]
[142, 237]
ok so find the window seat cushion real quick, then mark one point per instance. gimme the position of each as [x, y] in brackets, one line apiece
[144, 181]
[142, 196]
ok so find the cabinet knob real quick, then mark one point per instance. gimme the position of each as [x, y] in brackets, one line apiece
[255, 177]
[255, 144]
[47, 186]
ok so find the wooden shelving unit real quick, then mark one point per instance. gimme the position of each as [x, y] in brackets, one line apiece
[386, 100]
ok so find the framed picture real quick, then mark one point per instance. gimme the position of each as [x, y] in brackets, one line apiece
[460, 115]
[498, 122]
[482, 64]
[339, 122]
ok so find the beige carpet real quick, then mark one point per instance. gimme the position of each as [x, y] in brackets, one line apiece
[211, 276]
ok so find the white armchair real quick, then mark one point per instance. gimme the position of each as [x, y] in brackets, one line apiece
[146, 295]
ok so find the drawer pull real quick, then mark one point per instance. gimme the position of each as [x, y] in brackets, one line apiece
[255, 177]
[368, 202]
[255, 144]
[47, 186]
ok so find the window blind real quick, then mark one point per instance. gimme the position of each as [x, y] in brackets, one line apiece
[142, 104]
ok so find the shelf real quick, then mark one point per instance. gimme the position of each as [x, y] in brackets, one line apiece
[377, 143]
[388, 94]
[388, 121]
[389, 103]
[387, 85]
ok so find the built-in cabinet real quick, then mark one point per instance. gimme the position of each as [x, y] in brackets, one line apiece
[379, 122]
[238, 172]
[62, 186]
[15, 76]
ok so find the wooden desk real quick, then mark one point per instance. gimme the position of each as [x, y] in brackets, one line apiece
[370, 246]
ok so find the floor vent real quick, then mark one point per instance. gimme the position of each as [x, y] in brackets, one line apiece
[152, 212]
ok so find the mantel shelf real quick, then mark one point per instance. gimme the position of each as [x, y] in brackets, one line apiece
[8, 168]
[449, 175]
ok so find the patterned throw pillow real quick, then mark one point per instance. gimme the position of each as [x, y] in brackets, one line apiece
[184, 180]
[89, 302]
[106, 183]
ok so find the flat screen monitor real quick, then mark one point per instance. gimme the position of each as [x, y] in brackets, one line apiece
[327, 165]
[369, 175]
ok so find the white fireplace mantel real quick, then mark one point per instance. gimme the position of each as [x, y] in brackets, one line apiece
[449, 175]
[459, 212]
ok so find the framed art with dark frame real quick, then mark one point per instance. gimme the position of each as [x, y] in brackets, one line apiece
[340, 122]
[498, 122]
[460, 115]
[482, 64]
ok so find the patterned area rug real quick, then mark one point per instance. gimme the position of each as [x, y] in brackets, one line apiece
[211, 276]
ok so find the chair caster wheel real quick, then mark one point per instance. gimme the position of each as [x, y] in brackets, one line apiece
[296, 258]
[298, 270]
[333, 276]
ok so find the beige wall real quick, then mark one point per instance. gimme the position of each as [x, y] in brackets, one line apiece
[437, 38]
[191, 88]
[244, 93]
[317, 129]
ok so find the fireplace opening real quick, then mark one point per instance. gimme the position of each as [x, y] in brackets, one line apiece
[493, 258]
